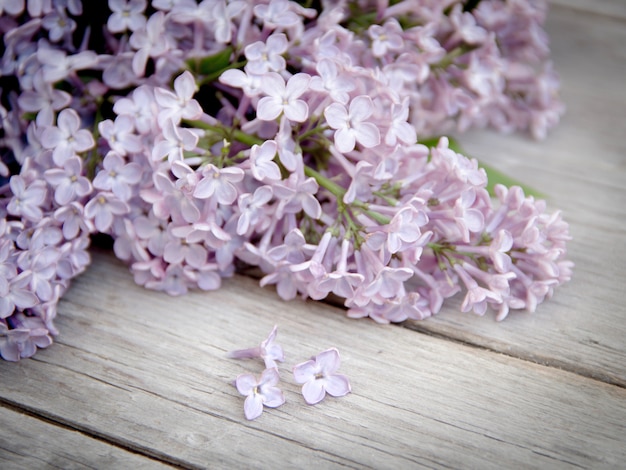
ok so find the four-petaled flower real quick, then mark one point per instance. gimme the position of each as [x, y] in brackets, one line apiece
[283, 98]
[262, 161]
[27, 198]
[269, 351]
[260, 392]
[178, 105]
[219, 182]
[67, 138]
[350, 124]
[319, 378]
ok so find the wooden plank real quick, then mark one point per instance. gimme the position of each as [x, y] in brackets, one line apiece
[30, 443]
[613, 8]
[150, 372]
[581, 167]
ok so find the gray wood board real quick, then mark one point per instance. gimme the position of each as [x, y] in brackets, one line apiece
[150, 372]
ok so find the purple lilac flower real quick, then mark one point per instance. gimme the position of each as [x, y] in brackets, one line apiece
[267, 56]
[180, 103]
[260, 392]
[67, 138]
[268, 350]
[27, 198]
[102, 208]
[283, 97]
[68, 182]
[219, 182]
[117, 176]
[15, 293]
[319, 377]
[265, 170]
[350, 124]
[126, 15]
[23, 338]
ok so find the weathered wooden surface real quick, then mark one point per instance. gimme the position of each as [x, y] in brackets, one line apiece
[614, 8]
[140, 379]
[28, 442]
[150, 373]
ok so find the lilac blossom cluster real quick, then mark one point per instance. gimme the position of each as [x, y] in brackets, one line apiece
[205, 136]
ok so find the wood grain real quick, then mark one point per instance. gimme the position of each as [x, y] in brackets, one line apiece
[149, 372]
[27, 442]
[613, 8]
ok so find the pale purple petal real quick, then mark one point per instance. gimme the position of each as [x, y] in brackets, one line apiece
[235, 78]
[226, 193]
[24, 298]
[305, 371]
[367, 134]
[361, 108]
[68, 121]
[329, 360]
[336, 115]
[345, 140]
[51, 137]
[297, 85]
[297, 111]
[269, 108]
[253, 406]
[273, 397]
[312, 206]
[246, 383]
[185, 85]
[273, 84]
[337, 385]
[313, 391]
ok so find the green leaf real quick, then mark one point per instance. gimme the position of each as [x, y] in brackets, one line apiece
[494, 176]
[212, 64]
[497, 177]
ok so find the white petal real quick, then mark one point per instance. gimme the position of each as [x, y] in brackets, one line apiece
[345, 140]
[361, 108]
[337, 385]
[297, 111]
[367, 134]
[313, 391]
[269, 108]
[253, 406]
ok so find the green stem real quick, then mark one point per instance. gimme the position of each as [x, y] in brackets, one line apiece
[325, 182]
[340, 192]
[236, 134]
[310, 132]
[451, 56]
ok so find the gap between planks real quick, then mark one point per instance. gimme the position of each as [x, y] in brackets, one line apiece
[73, 426]
[514, 353]
[609, 8]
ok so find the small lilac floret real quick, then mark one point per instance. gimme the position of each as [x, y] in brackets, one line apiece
[350, 124]
[268, 350]
[260, 392]
[283, 97]
[319, 378]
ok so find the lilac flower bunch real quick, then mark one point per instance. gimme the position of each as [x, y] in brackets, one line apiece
[205, 136]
